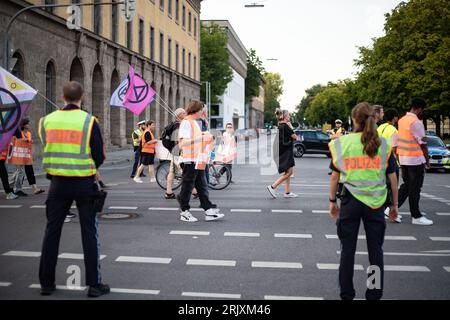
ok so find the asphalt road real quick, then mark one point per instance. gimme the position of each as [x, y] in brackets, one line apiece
[264, 248]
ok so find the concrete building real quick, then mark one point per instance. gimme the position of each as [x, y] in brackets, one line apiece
[232, 106]
[256, 109]
[162, 42]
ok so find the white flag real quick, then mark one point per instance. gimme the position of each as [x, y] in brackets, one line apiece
[119, 94]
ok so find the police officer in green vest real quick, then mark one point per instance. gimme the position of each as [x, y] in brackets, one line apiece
[361, 161]
[73, 151]
[136, 138]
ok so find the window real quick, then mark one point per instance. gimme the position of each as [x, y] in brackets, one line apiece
[97, 17]
[190, 23]
[161, 48]
[114, 22]
[308, 135]
[141, 36]
[322, 136]
[152, 43]
[129, 34]
[195, 67]
[177, 10]
[169, 53]
[50, 87]
[195, 27]
[51, 10]
[161, 4]
[177, 57]
[184, 61]
[169, 7]
[189, 64]
[184, 17]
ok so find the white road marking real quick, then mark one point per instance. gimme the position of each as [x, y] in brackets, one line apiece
[405, 254]
[321, 211]
[163, 209]
[447, 269]
[443, 213]
[73, 207]
[310, 185]
[405, 213]
[275, 264]
[144, 260]
[33, 254]
[59, 287]
[286, 211]
[440, 238]
[293, 235]
[241, 234]
[245, 210]
[190, 233]
[39, 206]
[76, 256]
[135, 291]
[6, 206]
[335, 266]
[363, 237]
[123, 208]
[5, 284]
[407, 268]
[207, 262]
[269, 297]
[211, 295]
[196, 210]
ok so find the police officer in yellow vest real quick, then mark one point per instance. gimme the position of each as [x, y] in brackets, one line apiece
[338, 131]
[136, 138]
[360, 162]
[73, 150]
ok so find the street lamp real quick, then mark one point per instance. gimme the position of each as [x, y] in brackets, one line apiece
[254, 5]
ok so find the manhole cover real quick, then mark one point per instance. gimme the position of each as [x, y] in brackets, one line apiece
[117, 216]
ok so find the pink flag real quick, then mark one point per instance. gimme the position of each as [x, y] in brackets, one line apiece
[138, 95]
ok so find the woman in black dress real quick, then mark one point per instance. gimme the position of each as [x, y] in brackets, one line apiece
[284, 149]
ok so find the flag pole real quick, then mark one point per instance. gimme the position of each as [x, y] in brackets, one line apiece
[51, 102]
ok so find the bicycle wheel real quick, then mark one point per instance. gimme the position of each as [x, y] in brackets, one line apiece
[219, 176]
[161, 174]
[177, 178]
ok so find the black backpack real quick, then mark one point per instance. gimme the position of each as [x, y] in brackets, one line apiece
[168, 141]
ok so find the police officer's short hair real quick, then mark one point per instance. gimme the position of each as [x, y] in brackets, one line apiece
[390, 114]
[418, 103]
[73, 91]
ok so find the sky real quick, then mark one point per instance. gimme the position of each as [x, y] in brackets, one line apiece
[315, 41]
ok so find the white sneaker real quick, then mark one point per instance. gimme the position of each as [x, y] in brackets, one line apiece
[290, 195]
[11, 196]
[67, 220]
[213, 214]
[272, 192]
[138, 180]
[386, 216]
[422, 221]
[186, 216]
[152, 180]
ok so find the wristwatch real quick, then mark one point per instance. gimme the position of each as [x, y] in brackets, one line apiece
[333, 201]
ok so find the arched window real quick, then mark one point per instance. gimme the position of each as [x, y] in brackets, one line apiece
[19, 66]
[50, 86]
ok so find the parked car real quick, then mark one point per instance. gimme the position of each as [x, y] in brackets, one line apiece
[311, 142]
[439, 153]
[431, 133]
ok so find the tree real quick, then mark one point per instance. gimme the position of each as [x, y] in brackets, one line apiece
[411, 60]
[301, 109]
[273, 89]
[214, 61]
[255, 70]
[328, 105]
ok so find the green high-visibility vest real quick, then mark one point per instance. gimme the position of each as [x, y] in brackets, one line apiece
[387, 130]
[136, 142]
[362, 176]
[65, 136]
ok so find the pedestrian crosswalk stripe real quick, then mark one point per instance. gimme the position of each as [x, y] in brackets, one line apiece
[196, 209]
[211, 295]
[335, 266]
[321, 211]
[5, 284]
[163, 209]
[245, 210]
[447, 269]
[406, 268]
[135, 291]
[59, 287]
[123, 208]
[443, 213]
[271, 297]
[406, 254]
[33, 254]
[207, 262]
[440, 238]
[38, 206]
[241, 234]
[76, 256]
[190, 233]
[363, 237]
[275, 264]
[286, 211]
[10, 206]
[144, 260]
[293, 235]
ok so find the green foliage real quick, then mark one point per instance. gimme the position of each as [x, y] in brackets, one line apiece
[273, 90]
[300, 110]
[214, 61]
[255, 70]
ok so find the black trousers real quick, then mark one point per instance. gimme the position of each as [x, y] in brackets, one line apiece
[61, 195]
[137, 156]
[4, 177]
[351, 213]
[190, 178]
[413, 177]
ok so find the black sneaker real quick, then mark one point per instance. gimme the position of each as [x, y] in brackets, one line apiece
[169, 196]
[98, 290]
[20, 193]
[71, 215]
[142, 175]
[46, 291]
[132, 176]
[102, 184]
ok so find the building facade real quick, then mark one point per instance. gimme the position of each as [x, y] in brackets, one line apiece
[231, 108]
[162, 43]
[256, 109]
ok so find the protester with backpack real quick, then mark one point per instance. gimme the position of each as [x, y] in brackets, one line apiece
[170, 142]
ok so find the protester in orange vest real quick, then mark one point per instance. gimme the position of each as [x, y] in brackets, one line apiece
[18, 176]
[195, 149]
[148, 147]
[412, 152]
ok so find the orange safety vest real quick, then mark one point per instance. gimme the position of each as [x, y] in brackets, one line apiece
[407, 143]
[198, 148]
[3, 155]
[148, 147]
